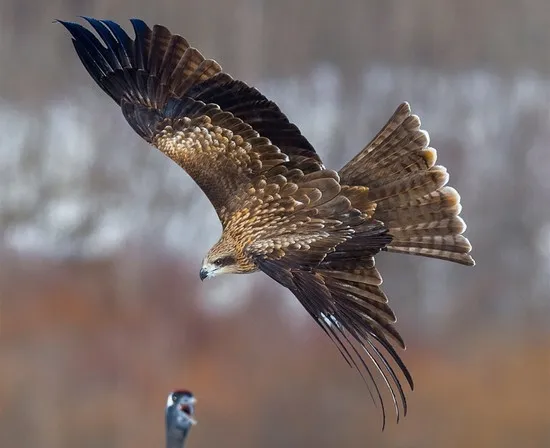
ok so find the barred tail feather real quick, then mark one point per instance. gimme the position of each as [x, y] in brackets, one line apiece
[411, 194]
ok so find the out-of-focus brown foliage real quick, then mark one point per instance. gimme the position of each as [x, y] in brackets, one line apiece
[82, 367]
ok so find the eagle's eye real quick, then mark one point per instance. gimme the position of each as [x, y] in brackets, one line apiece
[224, 261]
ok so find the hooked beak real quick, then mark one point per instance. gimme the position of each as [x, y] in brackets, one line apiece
[203, 274]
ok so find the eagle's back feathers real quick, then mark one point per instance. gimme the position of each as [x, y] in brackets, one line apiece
[314, 230]
[287, 214]
[220, 152]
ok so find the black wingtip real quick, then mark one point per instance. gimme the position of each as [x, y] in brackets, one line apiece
[139, 26]
[73, 28]
[91, 20]
[68, 25]
[137, 22]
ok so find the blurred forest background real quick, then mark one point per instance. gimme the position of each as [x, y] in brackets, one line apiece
[102, 309]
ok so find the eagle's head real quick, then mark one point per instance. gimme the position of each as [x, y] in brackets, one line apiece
[224, 258]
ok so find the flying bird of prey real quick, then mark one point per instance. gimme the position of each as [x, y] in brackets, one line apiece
[312, 229]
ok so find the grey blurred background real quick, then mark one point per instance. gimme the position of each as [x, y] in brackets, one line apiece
[102, 312]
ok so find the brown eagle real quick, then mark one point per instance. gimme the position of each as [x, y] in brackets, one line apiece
[312, 229]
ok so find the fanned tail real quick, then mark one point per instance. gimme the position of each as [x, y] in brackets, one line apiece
[410, 192]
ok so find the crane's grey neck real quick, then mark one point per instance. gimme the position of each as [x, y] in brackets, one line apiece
[176, 432]
[175, 437]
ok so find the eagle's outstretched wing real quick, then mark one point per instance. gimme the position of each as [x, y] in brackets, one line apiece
[293, 217]
[221, 131]
[345, 299]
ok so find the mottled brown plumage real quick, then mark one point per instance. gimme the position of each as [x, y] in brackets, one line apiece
[314, 230]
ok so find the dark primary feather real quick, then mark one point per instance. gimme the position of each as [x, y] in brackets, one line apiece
[167, 89]
[342, 294]
[158, 66]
